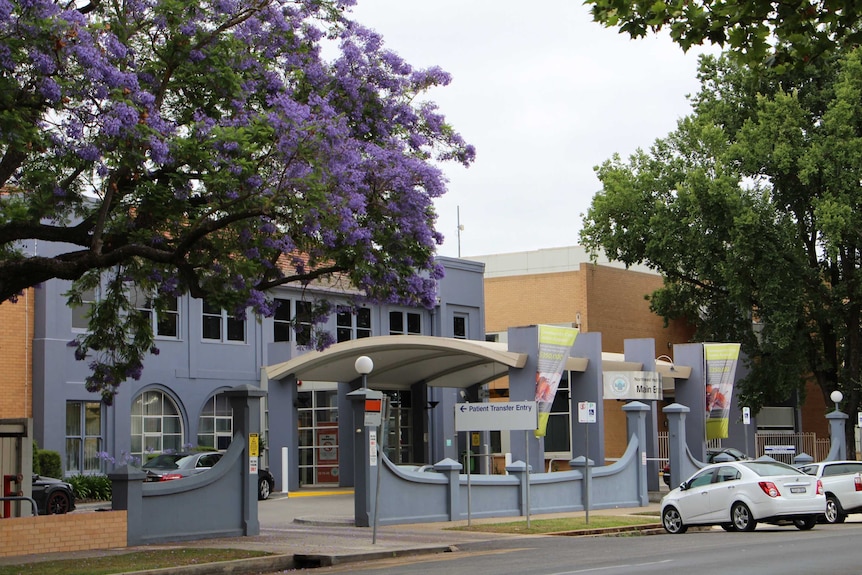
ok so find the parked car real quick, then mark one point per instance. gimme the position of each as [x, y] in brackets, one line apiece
[168, 466]
[737, 495]
[265, 484]
[711, 454]
[842, 483]
[52, 496]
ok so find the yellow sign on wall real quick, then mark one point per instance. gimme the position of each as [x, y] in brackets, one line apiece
[254, 445]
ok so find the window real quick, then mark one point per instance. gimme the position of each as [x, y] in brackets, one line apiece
[156, 425]
[165, 323]
[219, 326]
[459, 327]
[558, 437]
[215, 425]
[303, 323]
[281, 320]
[404, 323]
[83, 437]
[353, 325]
[81, 313]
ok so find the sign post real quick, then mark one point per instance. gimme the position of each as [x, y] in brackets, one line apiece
[746, 420]
[508, 416]
[587, 415]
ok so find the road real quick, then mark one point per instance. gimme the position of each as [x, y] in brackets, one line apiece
[833, 549]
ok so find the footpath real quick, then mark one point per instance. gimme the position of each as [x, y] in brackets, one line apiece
[314, 528]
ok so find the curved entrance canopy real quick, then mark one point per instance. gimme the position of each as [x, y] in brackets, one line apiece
[403, 360]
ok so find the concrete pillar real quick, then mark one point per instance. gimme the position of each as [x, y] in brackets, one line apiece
[692, 393]
[583, 464]
[587, 386]
[245, 403]
[680, 468]
[643, 351]
[522, 387]
[519, 470]
[636, 415]
[452, 470]
[281, 403]
[364, 474]
[837, 421]
[127, 495]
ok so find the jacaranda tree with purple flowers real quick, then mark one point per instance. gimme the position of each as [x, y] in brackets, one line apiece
[215, 147]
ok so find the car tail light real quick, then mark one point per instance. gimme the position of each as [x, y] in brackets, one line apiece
[769, 488]
[820, 486]
[169, 476]
[857, 482]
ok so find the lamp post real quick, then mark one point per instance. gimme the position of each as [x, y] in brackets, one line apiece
[363, 366]
[836, 396]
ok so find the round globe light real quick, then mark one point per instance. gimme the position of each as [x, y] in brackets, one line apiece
[363, 365]
[836, 396]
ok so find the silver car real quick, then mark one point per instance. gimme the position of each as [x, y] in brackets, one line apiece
[168, 466]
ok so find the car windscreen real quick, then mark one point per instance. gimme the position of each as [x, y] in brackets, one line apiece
[770, 468]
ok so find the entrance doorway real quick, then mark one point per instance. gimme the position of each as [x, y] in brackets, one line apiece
[317, 407]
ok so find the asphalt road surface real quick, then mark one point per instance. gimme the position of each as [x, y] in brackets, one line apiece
[833, 550]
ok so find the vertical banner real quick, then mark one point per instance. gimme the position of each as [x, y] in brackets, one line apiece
[555, 343]
[721, 360]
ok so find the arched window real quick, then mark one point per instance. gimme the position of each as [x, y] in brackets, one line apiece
[215, 425]
[156, 425]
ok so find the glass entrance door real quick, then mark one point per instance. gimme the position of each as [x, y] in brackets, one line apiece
[317, 406]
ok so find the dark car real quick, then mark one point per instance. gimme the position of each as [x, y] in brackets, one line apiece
[265, 484]
[52, 496]
[711, 454]
[168, 466]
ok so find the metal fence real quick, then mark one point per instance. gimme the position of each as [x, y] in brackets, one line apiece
[780, 446]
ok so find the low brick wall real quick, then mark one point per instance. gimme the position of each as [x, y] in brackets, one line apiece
[53, 533]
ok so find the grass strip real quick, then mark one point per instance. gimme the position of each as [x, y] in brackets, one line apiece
[561, 524]
[121, 562]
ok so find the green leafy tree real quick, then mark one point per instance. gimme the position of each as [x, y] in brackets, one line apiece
[752, 210]
[786, 31]
[218, 148]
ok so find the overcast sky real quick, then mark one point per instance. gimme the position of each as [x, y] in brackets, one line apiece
[545, 95]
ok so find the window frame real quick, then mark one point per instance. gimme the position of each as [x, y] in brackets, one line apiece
[76, 443]
[282, 325]
[80, 313]
[348, 325]
[405, 321]
[226, 324]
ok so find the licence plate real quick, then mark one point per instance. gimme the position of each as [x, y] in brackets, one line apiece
[797, 490]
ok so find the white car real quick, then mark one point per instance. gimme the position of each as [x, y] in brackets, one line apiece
[842, 484]
[738, 494]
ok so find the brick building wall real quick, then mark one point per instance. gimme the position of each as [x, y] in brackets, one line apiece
[62, 533]
[16, 351]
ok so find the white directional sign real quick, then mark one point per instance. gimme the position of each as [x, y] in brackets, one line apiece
[496, 416]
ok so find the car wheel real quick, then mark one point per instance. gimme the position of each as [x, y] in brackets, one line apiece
[806, 524]
[834, 511]
[728, 527]
[672, 521]
[263, 489]
[741, 518]
[57, 503]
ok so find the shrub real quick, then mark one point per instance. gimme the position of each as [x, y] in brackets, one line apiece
[91, 487]
[47, 463]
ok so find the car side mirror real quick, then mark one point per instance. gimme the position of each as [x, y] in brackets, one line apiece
[683, 486]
